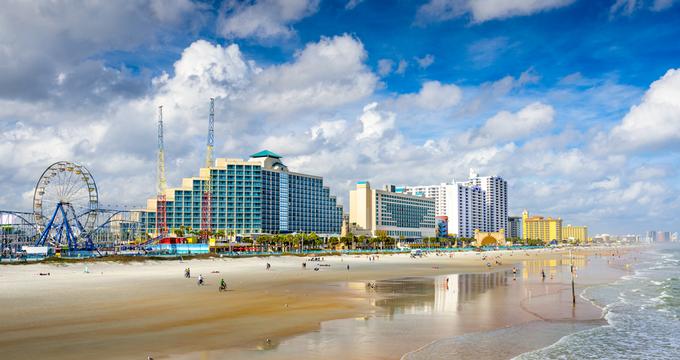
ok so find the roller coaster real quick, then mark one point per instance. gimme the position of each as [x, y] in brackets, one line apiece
[66, 215]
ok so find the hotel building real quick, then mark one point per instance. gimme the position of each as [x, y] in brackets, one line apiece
[514, 227]
[391, 213]
[258, 195]
[540, 228]
[496, 200]
[578, 234]
[468, 205]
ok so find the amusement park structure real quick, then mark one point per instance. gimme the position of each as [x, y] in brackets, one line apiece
[161, 208]
[66, 214]
[206, 209]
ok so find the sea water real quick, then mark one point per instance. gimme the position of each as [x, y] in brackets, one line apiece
[642, 313]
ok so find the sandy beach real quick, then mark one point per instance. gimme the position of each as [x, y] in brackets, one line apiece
[126, 311]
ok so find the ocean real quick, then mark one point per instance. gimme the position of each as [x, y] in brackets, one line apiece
[642, 313]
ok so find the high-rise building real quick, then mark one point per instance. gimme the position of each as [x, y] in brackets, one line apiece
[514, 227]
[577, 234]
[663, 236]
[496, 193]
[468, 205]
[248, 197]
[387, 212]
[541, 228]
[651, 236]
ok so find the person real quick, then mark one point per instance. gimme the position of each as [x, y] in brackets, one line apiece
[268, 266]
[223, 285]
[200, 279]
[304, 265]
[543, 274]
[187, 273]
[347, 267]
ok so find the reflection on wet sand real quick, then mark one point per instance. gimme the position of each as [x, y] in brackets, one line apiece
[441, 294]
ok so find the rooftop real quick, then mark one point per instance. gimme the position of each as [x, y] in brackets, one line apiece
[266, 153]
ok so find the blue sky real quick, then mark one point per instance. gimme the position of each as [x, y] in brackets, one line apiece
[576, 103]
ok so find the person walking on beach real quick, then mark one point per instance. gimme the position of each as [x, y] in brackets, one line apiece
[200, 279]
[269, 266]
[187, 273]
[543, 274]
[514, 273]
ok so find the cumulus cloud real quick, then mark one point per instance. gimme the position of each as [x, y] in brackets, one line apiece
[40, 42]
[528, 121]
[328, 73]
[433, 95]
[655, 122]
[483, 10]
[375, 123]
[263, 19]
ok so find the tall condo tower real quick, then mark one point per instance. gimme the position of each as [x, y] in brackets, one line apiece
[206, 208]
[161, 212]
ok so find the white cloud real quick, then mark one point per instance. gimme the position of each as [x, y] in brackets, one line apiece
[528, 121]
[375, 123]
[655, 122]
[328, 73]
[351, 4]
[385, 66]
[425, 61]
[484, 10]
[263, 19]
[609, 183]
[433, 95]
[401, 68]
[628, 7]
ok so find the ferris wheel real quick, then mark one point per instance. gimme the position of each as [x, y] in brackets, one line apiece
[65, 199]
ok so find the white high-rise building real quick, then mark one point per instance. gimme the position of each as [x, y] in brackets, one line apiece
[479, 203]
[496, 190]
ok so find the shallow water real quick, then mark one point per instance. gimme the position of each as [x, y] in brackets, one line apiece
[643, 315]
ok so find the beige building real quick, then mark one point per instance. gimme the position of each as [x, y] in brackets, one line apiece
[375, 212]
[541, 228]
[577, 234]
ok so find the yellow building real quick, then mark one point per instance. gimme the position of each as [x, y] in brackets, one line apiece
[577, 234]
[541, 228]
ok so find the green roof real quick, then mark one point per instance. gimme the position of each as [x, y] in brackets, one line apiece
[266, 153]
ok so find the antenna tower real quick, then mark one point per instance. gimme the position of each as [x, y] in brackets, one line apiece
[206, 208]
[161, 209]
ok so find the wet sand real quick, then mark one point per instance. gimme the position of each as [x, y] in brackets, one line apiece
[132, 310]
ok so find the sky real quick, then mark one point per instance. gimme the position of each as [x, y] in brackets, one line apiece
[576, 103]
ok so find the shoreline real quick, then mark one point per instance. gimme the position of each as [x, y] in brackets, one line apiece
[279, 305]
[554, 329]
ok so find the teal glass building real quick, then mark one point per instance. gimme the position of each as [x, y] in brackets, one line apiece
[250, 197]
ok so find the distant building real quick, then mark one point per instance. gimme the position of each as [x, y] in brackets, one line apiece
[480, 203]
[514, 227]
[663, 236]
[391, 213]
[541, 228]
[496, 200]
[651, 236]
[578, 234]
